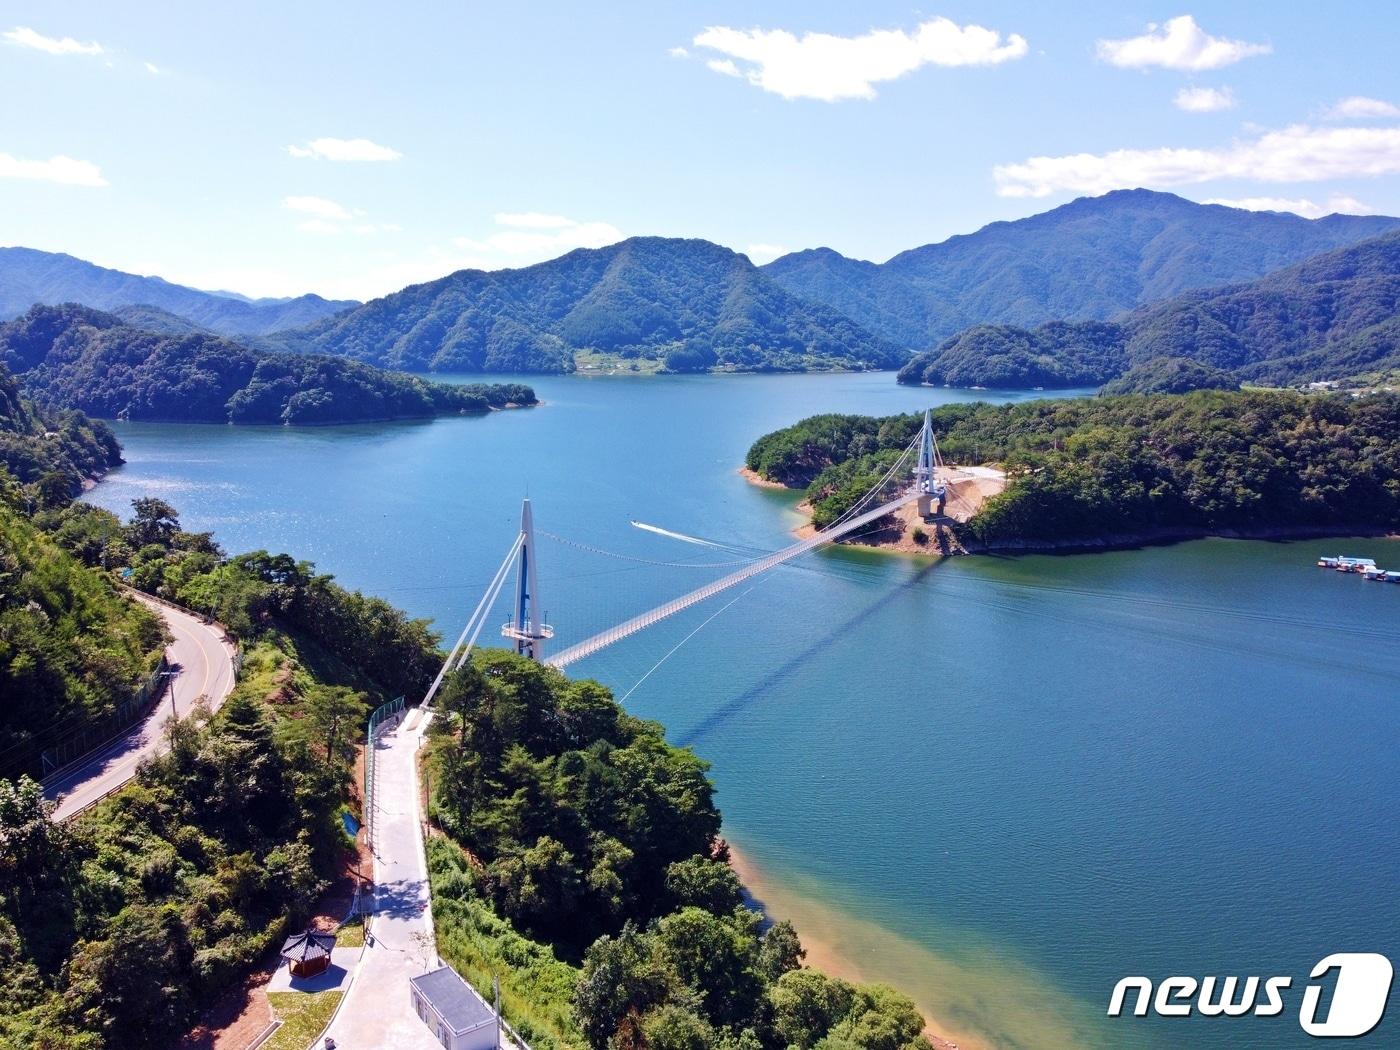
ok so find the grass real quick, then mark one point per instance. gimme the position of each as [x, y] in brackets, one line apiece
[537, 989]
[304, 1015]
[351, 934]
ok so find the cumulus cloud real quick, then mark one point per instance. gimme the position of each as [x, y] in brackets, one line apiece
[539, 236]
[1204, 99]
[1299, 206]
[1300, 153]
[764, 253]
[1358, 107]
[827, 67]
[344, 149]
[26, 37]
[1180, 44]
[60, 169]
[678, 52]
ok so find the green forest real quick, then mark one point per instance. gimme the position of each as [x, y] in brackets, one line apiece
[1083, 470]
[119, 927]
[689, 304]
[72, 357]
[1332, 317]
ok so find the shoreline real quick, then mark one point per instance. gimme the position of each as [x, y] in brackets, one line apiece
[1161, 536]
[824, 955]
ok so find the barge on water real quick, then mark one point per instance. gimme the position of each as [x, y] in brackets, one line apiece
[1345, 564]
[1383, 575]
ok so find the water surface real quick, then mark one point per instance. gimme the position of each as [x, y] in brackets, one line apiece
[1002, 784]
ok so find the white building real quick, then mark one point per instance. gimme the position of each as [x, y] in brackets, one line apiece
[454, 1012]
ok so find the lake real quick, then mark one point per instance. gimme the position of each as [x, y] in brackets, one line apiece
[1001, 784]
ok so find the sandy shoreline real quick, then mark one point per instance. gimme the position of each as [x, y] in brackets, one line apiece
[827, 956]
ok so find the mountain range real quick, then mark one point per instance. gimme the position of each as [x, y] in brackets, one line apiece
[654, 303]
[689, 304]
[1091, 259]
[1332, 316]
[29, 277]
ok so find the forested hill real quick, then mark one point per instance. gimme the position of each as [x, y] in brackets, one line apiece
[1332, 317]
[1091, 259]
[72, 357]
[688, 304]
[1086, 470]
[52, 451]
[28, 277]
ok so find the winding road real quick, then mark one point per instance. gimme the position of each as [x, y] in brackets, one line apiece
[203, 662]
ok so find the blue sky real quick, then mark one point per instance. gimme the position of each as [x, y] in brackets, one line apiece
[349, 149]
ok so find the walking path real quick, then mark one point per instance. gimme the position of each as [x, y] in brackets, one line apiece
[203, 659]
[377, 1011]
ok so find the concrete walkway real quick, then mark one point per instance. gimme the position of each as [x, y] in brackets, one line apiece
[203, 661]
[377, 1013]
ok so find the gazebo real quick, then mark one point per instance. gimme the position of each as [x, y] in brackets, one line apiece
[308, 953]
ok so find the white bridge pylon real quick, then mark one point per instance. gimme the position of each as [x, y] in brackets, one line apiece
[528, 630]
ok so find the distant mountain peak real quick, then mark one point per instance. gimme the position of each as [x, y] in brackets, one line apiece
[29, 276]
[1089, 259]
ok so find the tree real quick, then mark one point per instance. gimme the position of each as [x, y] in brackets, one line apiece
[154, 522]
[332, 711]
[806, 1003]
[780, 951]
[673, 1027]
[715, 956]
[704, 883]
[31, 844]
[621, 975]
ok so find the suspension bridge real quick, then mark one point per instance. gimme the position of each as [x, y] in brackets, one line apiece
[528, 632]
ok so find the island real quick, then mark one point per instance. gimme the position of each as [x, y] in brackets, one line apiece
[1114, 471]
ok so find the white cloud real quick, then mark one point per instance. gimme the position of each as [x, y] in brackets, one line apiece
[533, 241]
[1299, 206]
[317, 206]
[26, 37]
[827, 67]
[1204, 99]
[763, 253]
[533, 220]
[1358, 107]
[344, 149]
[152, 68]
[328, 217]
[678, 52]
[1180, 44]
[60, 169]
[1299, 153]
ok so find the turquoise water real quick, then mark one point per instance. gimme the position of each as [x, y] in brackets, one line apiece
[1002, 783]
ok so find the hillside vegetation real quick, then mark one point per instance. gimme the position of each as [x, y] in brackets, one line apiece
[29, 277]
[1333, 317]
[118, 928]
[73, 357]
[1089, 469]
[597, 841]
[1091, 259]
[689, 304]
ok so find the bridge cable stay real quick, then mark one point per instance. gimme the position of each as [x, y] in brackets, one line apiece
[473, 627]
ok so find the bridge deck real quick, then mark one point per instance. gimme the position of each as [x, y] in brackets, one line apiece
[589, 646]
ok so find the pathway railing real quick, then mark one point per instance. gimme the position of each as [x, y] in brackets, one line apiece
[381, 714]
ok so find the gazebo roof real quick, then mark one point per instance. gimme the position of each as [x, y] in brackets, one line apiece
[308, 945]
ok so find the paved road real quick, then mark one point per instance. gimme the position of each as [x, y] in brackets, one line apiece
[204, 662]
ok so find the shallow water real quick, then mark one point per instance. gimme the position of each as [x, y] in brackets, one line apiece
[1002, 784]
